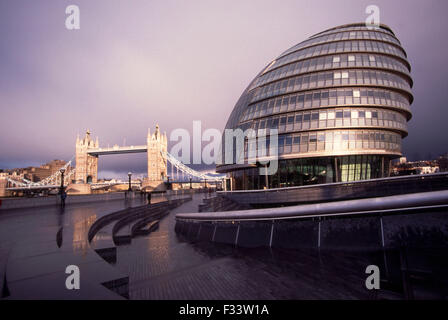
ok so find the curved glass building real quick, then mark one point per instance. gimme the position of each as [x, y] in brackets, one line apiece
[340, 101]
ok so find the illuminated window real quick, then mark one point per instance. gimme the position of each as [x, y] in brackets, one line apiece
[351, 58]
[372, 58]
[336, 59]
[344, 75]
[356, 94]
[337, 75]
[323, 116]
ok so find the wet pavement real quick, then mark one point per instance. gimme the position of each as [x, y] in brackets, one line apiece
[33, 258]
[162, 265]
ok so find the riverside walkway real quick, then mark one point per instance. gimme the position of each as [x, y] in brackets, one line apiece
[37, 244]
[163, 265]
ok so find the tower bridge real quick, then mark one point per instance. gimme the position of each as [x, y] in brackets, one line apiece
[88, 151]
[84, 176]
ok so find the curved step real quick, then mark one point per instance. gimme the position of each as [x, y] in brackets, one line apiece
[122, 230]
[144, 227]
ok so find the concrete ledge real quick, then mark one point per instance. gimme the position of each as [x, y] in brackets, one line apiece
[20, 203]
[325, 209]
[415, 220]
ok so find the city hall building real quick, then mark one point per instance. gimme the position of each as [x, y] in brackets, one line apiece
[340, 101]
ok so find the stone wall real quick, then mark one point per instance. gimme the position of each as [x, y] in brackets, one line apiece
[19, 203]
[3, 184]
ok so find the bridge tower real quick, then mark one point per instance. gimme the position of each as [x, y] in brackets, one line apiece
[86, 164]
[157, 166]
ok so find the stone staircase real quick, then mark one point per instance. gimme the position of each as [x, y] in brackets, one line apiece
[120, 227]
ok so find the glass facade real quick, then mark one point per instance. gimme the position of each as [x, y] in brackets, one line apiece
[308, 171]
[340, 102]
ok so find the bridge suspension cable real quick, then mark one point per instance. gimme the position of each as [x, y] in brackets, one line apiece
[54, 179]
[187, 170]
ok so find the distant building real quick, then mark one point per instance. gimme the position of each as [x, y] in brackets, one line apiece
[415, 167]
[443, 162]
[36, 174]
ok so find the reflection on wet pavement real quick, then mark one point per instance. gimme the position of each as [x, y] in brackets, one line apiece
[38, 243]
[164, 266]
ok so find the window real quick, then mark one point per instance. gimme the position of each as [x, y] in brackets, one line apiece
[323, 116]
[339, 114]
[330, 115]
[321, 137]
[351, 58]
[281, 141]
[293, 99]
[368, 114]
[315, 116]
[354, 114]
[283, 120]
[337, 75]
[336, 59]
[344, 75]
[356, 94]
[372, 58]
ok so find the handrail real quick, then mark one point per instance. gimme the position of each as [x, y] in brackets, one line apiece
[413, 200]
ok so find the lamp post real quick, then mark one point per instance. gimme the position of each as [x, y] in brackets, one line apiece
[191, 186]
[129, 175]
[62, 180]
[61, 191]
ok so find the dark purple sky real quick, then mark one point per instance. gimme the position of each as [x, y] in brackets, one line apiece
[137, 63]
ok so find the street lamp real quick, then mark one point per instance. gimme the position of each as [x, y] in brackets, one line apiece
[61, 191]
[168, 186]
[129, 175]
[62, 170]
